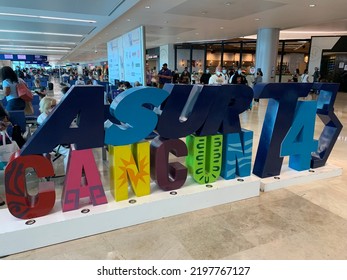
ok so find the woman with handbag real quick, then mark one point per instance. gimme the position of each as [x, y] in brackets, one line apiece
[9, 83]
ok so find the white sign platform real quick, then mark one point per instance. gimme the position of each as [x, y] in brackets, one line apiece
[21, 235]
[291, 177]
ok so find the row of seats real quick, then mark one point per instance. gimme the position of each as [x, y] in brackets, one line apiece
[18, 117]
[30, 82]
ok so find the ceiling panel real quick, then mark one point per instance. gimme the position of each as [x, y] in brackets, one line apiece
[220, 10]
[166, 30]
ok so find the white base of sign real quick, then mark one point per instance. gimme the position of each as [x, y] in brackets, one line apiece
[16, 236]
[291, 177]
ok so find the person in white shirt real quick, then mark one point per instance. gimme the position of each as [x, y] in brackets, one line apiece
[218, 78]
[304, 77]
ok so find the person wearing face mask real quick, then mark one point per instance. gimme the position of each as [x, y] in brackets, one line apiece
[205, 77]
[185, 77]
[225, 73]
[238, 78]
[217, 78]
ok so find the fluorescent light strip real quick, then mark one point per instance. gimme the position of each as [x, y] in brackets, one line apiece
[39, 47]
[33, 50]
[46, 17]
[37, 41]
[40, 33]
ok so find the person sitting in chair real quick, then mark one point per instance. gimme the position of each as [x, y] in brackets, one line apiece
[47, 105]
[38, 89]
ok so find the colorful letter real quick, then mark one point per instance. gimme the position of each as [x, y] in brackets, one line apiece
[138, 121]
[84, 102]
[278, 119]
[77, 186]
[185, 110]
[130, 162]
[204, 157]
[299, 142]
[168, 176]
[21, 204]
[237, 154]
[332, 128]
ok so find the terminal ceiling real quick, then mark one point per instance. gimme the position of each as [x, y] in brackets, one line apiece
[45, 27]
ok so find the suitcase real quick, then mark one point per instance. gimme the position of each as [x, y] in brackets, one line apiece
[50, 86]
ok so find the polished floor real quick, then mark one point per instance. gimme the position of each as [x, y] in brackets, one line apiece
[304, 222]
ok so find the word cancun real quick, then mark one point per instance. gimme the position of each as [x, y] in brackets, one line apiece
[208, 116]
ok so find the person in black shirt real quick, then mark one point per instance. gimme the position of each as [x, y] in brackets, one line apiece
[205, 77]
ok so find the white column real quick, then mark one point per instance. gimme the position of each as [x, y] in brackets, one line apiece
[167, 55]
[266, 52]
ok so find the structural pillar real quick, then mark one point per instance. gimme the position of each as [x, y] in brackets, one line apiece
[266, 52]
[167, 55]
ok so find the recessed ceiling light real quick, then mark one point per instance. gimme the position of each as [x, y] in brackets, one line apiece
[166, 21]
[221, 27]
[147, 7]
[312, 5]
[228, 3]
[203, 13]
[256, 19]
[128, 19]
[197, 33]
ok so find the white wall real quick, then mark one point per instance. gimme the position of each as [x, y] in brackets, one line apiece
[318, 44]
[184, 54]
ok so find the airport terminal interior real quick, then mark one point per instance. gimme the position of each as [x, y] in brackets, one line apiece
[304, 221]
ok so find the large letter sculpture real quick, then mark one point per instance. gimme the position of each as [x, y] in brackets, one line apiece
[168, 176]
[299, 142]
[83, 102]
[130, 162]
[332, 128]
[237, 154]
[204, 158]
[20, 203]
[77, 186]
[137, 121]
[278, 119]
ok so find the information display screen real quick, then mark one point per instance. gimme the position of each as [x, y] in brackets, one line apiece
[126, 57]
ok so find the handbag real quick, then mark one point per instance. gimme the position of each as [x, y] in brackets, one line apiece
[23, 91]
[28, 110]
[6, 150]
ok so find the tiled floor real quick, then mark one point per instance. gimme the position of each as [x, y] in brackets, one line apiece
[307, 221]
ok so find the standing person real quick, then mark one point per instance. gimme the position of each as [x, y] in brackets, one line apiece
[148, 76]
[238, 78]
[258, 79]
[304, 77]
[205, 77]
[316, 75]
[164, 75]
[9, 83]
[185, 77]
[175, 77]
[225, 73]
[295, 77]
[218, 78]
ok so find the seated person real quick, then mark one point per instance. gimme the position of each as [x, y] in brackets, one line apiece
[47, 105]
[38, 89]
[80, 81]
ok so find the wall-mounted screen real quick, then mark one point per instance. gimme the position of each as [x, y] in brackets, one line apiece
[126, 57]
